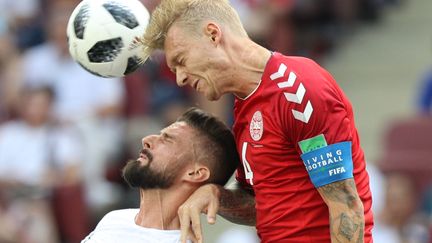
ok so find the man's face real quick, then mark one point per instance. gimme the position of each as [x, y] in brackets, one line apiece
[36, 108]
[163, 158]
[195, 61]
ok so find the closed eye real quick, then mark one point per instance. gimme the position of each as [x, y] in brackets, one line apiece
[181, 61]
[167, 137]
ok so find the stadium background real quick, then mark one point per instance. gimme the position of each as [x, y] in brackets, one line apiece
[378, 50]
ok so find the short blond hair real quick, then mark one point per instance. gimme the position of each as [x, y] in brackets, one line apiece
[189, 13]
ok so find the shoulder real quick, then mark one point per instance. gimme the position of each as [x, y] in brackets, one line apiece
[118, 217]
[11, 125]
[302, 81]
[119, 226]
[11, 128]
[288, 70]
[122, 213]
[293, 61]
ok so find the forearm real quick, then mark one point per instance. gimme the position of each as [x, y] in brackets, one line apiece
[346, 211]
[237, 205]
[346, 225]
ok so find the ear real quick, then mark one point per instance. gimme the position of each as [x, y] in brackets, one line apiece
[197, 174]
[213, 32]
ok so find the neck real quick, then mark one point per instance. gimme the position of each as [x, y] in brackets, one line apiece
[248, 61]
[158, 208]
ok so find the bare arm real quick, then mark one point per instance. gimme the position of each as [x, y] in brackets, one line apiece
[237, 204]
[346, 211]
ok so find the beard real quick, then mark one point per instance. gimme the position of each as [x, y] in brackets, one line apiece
[142, 176]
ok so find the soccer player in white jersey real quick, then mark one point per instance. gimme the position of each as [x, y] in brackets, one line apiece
[170, 167]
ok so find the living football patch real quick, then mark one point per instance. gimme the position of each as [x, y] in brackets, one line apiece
[329, 164]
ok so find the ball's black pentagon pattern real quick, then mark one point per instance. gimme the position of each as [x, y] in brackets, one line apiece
[80, 21]
[121, 14]
[105, 51]
[132, 64]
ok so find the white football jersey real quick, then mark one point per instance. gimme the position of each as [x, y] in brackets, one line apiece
[119, 226]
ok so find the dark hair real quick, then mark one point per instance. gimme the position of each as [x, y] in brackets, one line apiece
[223, 146]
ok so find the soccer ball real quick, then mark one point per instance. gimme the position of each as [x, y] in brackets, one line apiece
[103, 35]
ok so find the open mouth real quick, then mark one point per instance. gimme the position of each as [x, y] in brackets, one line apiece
[142, 159]
[145, 154]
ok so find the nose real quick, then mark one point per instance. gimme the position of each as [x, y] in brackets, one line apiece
[148, 142]
[181, 77]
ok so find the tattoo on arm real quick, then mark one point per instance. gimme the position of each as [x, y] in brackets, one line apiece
[238, 205]
[347, 226]
[346, 211]
[341, 191]
[361, 234]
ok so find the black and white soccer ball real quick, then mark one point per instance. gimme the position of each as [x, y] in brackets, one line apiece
[103, 35]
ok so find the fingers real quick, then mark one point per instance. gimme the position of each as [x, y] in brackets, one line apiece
[205, 199]
[185, 229]
[212, 210]
[190, 225]
[196, 227]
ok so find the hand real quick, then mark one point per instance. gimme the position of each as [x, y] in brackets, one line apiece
[204, 200]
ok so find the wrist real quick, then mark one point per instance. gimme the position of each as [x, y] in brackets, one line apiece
[215, 190]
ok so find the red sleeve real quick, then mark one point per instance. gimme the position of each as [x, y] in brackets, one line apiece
[322, 109]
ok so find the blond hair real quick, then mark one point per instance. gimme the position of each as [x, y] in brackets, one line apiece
[189, 14]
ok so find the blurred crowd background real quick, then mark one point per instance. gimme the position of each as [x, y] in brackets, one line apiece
[65, 134]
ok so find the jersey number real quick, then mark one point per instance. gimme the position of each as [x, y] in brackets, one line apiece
[246, 166]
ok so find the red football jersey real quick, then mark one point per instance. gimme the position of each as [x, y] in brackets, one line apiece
[296, 100]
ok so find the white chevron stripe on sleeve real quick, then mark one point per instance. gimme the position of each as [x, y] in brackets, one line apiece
[298, 96]
[305, 115]
[280, 73]
[290, 82]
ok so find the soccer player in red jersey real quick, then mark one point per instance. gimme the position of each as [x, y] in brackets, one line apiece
[303, 176]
